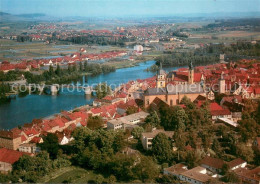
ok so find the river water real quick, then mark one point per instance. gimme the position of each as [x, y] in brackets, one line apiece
[24, 109]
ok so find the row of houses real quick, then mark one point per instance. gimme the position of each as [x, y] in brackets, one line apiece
[211, 168]
[25, 65]
[32, 132]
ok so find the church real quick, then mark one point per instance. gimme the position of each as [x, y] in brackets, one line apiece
[172, 92]
[186, 76]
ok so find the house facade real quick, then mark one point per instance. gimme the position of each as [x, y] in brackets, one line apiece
[7, 158]
[147, 137]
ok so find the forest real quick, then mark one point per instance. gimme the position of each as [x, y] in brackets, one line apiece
[210, 54]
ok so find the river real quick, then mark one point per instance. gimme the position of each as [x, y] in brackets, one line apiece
[24, 109]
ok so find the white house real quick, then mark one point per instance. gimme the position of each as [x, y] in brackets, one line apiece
[126, 121]
[147, 137]
[29, 148]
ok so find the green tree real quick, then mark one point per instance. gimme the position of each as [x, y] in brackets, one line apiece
[162, 148]
[80, 67]
[50, 144]
[131, 110]
[146, 170]
[216, 147]
[248, 129]
[173, 118]
[231, 177]
[58, 70]
[69, 69]
[122, 166]
[51, 71]
[74, 68]
[185, 100]
[245, 152]
[81, 137]
[102, 90]
[180, 139]
[225, 169]
[29, 169]
[4, 178]
[95, 122]
[153, 119]
[61, 162]
[137, 132]
[167, 179]
[257, 116]
[111, 179]
[193, 158]
[118, 141]
[85, 66]
[99, 179]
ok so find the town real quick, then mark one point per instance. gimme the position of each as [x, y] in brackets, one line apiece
[226, 91]
[130, 91]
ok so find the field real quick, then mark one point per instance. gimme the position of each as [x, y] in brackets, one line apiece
[11, 50]
[70, 175]
[222, 37]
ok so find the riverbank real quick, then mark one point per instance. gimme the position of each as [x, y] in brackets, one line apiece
[129, 63]
[25, 109]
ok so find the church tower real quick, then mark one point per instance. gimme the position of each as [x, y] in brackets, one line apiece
[222, 84]
[191, 74]
[161, 78]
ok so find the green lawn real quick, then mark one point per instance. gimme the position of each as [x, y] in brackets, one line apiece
[69, 174]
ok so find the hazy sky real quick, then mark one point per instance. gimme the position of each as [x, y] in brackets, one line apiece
[126, 7]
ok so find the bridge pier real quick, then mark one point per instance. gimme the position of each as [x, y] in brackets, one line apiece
[54, 90]
[88, 91]
[30, 89]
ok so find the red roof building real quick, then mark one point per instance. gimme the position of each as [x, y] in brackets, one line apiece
[8, 158]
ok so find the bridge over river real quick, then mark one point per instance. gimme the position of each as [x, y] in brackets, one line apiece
[24, 109]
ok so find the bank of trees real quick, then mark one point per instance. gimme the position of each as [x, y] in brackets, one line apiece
[101, 150]
[183, 59]
[30, 169]
[210, 54]
[102, 90]
[98, 40]
[4, 89]
[10, 76]
[195, 135]
[65, 76]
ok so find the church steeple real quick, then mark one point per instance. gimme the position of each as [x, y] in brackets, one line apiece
[191, 73]
[191, 66]
[161, 78]
[222, 84]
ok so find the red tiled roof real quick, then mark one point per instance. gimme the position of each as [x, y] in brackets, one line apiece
[23, 138]
[235, 162]
[212, 162]
[30, 131]
[8, 134]
[82, 115]
[36, 140]
[10, 156]
[257, 91]
[215, 109]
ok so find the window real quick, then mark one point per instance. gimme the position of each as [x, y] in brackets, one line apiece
[171, 102]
